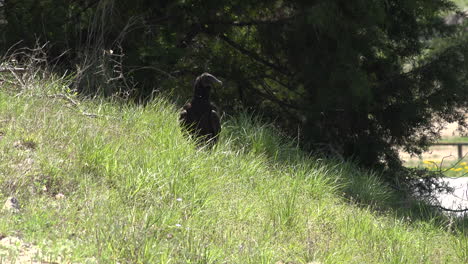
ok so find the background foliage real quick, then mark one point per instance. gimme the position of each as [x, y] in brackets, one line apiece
[359, 79]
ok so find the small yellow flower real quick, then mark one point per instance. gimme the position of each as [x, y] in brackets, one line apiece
[463, 164]
[458, 169]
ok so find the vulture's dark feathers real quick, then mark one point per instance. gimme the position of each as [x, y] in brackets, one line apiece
[200, 116]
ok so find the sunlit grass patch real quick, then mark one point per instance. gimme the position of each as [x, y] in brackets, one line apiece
[455, 140]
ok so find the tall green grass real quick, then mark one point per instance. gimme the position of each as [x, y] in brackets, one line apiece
[136, 190]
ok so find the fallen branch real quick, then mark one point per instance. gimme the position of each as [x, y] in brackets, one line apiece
[251, 54]
[66, 97]
[77, 104]
[91, 115]
[18, 78]
[12, 69]
[450, 210]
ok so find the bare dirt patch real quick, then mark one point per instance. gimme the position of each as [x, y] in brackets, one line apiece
[15, 250]
[458, 200]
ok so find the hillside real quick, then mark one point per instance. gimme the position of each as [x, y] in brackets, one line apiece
[102, 181]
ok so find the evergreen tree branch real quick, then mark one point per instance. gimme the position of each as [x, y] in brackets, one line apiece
[252, 55]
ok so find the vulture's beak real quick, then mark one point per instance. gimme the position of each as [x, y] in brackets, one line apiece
[211, 79]
[216, 80]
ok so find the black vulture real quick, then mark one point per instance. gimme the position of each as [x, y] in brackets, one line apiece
[200, 116]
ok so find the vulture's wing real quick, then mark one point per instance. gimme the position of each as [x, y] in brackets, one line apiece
[183, 117]
[215, 124]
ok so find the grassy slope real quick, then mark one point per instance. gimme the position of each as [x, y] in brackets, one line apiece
[137, 191]
[461, 3]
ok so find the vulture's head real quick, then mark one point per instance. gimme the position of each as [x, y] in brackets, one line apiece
[203, 84]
